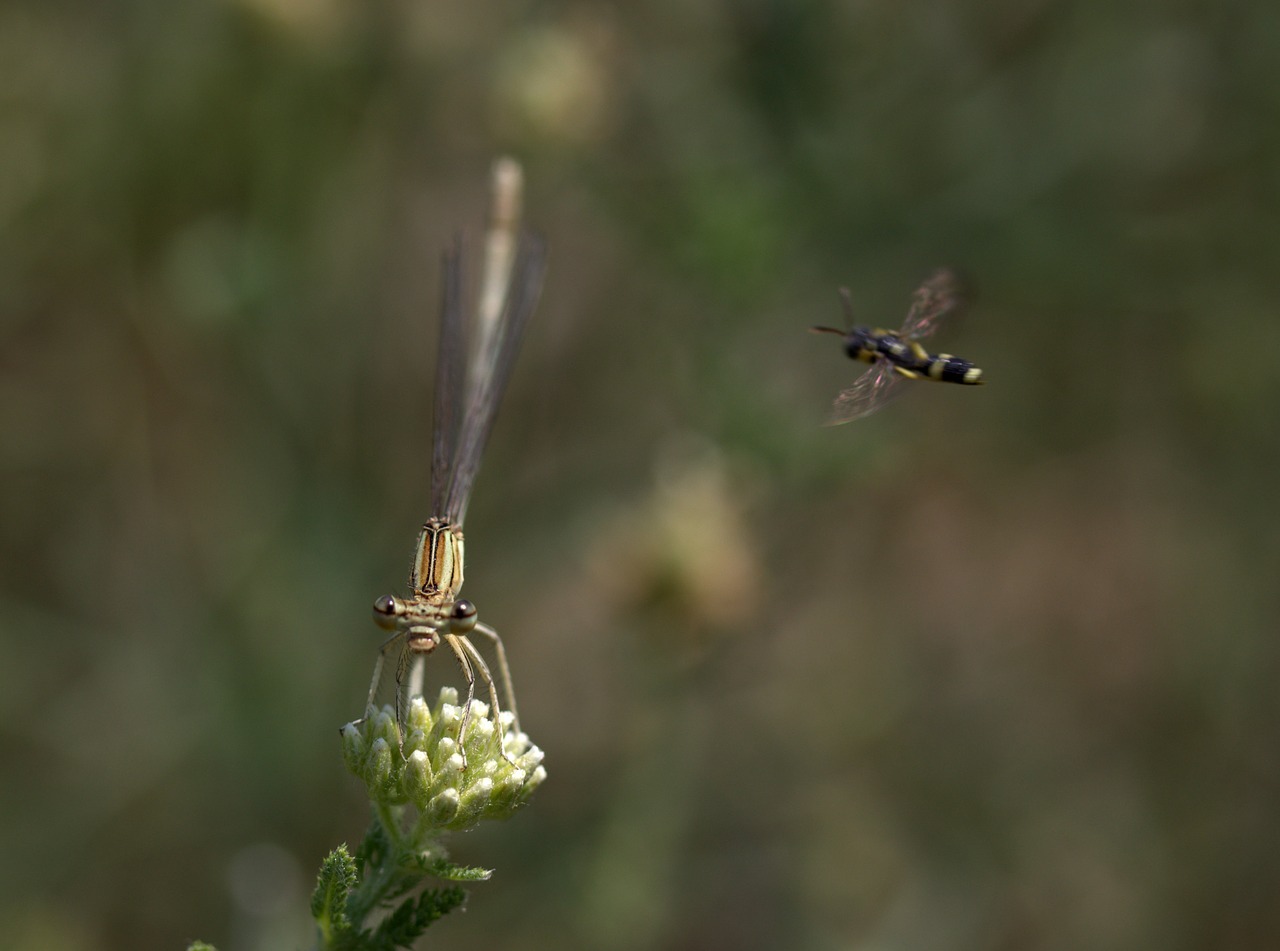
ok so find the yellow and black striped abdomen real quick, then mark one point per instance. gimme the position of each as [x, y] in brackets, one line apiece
[945, 368]
[437, 566]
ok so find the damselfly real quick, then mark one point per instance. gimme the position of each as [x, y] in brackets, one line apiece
[473, 365]
[897, 355]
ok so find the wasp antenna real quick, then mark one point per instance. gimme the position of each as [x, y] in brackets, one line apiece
[827, 330]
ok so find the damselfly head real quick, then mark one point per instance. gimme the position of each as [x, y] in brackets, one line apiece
[436, 613]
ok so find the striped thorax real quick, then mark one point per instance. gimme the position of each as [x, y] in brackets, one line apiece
[437, 567]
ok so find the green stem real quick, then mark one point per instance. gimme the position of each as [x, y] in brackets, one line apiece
[377, 880]
[372, 890]
[422, 833]
[390, 824]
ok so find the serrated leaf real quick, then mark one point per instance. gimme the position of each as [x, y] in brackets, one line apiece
[334, 884]
[400, 886]
[373, 849]
[443, 868]
[405, 925]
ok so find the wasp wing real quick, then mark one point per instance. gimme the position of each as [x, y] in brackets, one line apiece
[932, 302]
[868, 393]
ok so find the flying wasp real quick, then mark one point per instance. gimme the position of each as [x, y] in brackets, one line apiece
[897, 355]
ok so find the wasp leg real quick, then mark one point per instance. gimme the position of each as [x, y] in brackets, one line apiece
[505, 671]
[917, 351]
[909, 374]
[483, 669]
[454, 642]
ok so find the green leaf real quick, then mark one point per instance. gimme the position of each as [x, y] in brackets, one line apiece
[336, 881]
[443, 868]
[404, 925]
[374, 848]
[200, 946]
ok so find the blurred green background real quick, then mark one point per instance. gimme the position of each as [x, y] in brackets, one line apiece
[994, 668]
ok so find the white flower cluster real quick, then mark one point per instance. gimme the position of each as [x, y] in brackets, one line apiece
[499, 772]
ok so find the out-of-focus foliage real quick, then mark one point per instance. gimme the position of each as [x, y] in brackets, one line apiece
[992, 669]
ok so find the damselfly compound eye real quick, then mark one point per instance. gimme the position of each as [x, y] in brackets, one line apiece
[384, 612]
[464, 617]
